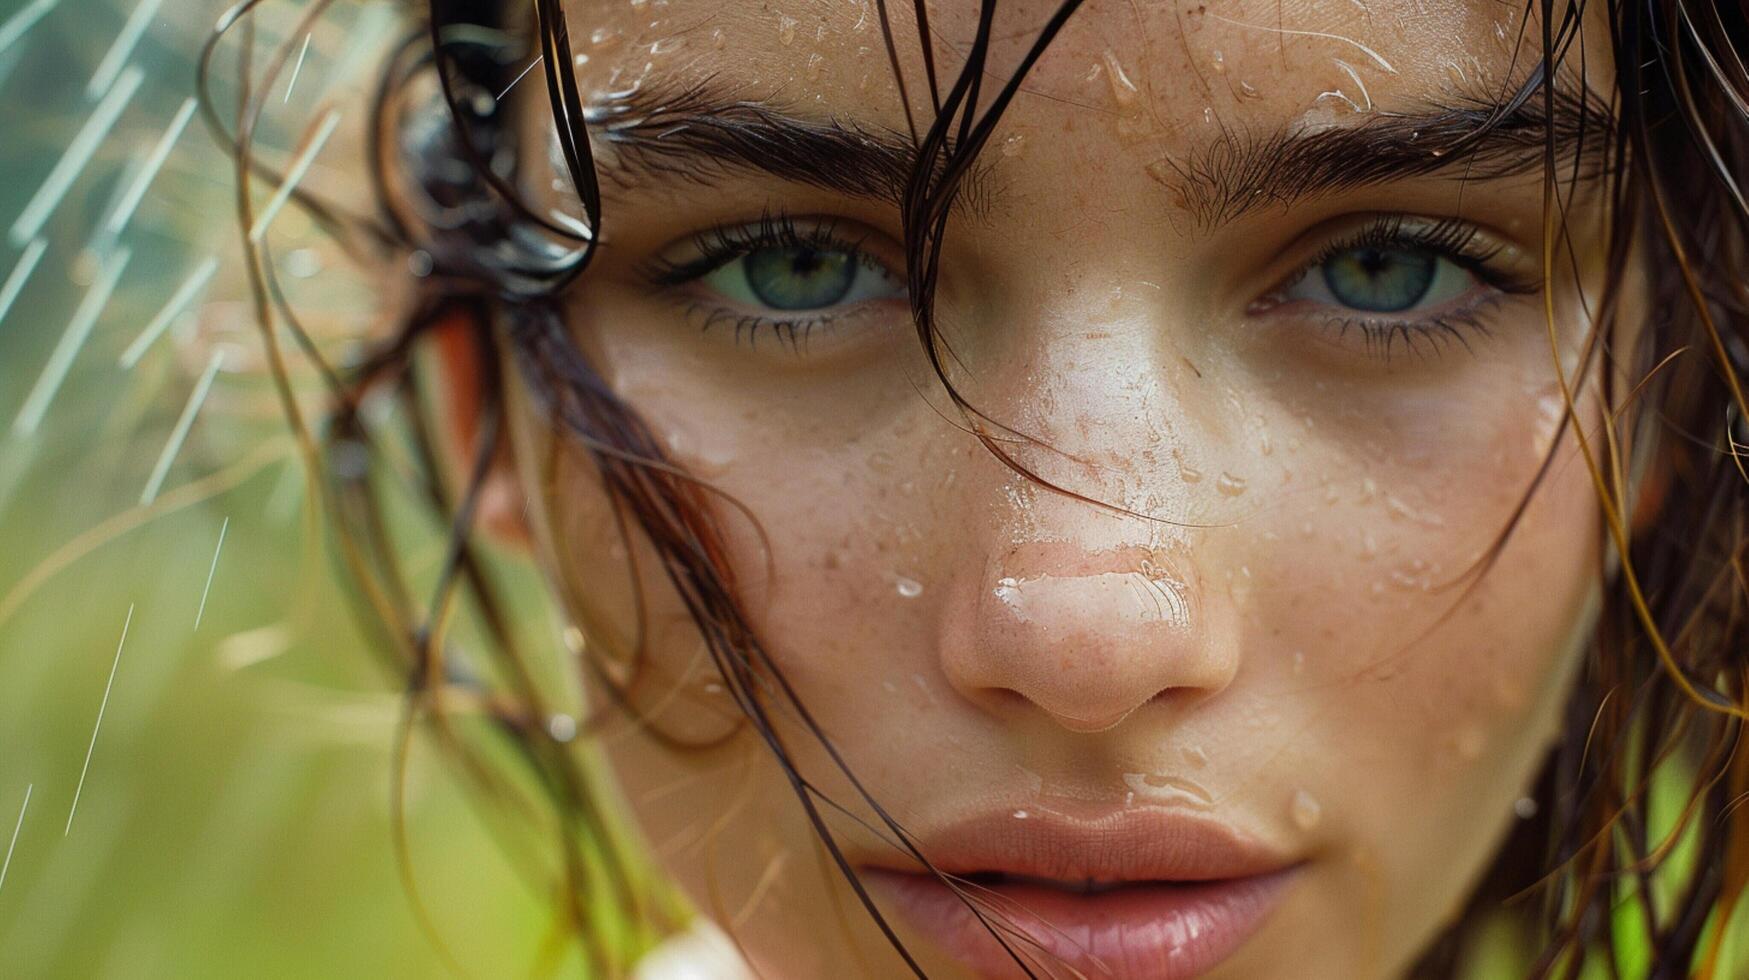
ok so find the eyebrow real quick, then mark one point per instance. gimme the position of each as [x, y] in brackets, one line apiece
[1240, 173]
[699, 136]
[703, 137]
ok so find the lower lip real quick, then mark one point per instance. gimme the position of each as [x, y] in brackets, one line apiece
[1166, 931]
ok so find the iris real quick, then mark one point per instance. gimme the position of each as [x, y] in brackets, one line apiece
[799, 278]
[1380, 280]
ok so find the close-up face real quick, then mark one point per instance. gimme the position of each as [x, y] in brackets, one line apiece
[1163, 611]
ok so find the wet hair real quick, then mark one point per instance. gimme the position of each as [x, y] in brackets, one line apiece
[1661, 696]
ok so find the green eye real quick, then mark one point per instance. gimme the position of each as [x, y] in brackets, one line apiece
[1403, 279]
[1380, 280]
[795, 278]
[798, 278]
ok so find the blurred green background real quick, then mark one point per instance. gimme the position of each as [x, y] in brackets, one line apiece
[235, 817]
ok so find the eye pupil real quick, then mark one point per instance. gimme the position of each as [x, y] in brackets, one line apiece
[797, 278]
[1380, 280]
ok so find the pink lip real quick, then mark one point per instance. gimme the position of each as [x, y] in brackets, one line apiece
[1174, 894]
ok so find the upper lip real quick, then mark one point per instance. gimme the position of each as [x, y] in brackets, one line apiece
[1134, 844]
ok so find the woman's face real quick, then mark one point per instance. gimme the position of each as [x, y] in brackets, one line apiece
[1215, 281]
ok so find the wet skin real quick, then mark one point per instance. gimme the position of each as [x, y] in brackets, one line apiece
[1263, 623]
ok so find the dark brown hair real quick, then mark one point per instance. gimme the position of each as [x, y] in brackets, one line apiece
[1662, 693]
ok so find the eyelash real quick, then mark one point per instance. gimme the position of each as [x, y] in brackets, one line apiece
[722, 245]
[1450, 239]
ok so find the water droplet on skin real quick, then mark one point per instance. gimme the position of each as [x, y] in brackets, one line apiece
[1524, 808]
[816, 65]
[1014, 145]
[1299, 660]
[605, 38]
[1194, 755]
[1188, 473]
[1123, 91]
[1218, 62]
[580, 60]
[574, 640]
[1305, 811]
[786, 30]
[668, 44]
[718, 39]
[1208, 115]
[880, 462]
[1021, 814]
[1248, 91]
[1230, 485]
[1168, 789]
[910, 588]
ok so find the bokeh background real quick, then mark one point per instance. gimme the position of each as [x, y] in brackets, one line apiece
[235, 817]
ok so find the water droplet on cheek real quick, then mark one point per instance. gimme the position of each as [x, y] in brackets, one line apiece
[1021, 814]
[1218, 62]
[909, 588]
[1305, 811]
[1168, 789]
[786, 30]
[1230, 485]
[1014, 145]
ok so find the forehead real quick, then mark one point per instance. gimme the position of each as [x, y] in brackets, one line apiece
[1165, 65]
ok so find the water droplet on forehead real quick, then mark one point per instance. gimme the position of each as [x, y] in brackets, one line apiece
[1123, 91]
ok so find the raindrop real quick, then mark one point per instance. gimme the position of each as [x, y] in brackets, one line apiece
[1168, 789]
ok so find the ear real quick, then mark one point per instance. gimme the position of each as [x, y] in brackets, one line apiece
[456, 339]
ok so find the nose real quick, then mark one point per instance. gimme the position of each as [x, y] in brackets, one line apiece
[1087, 638]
